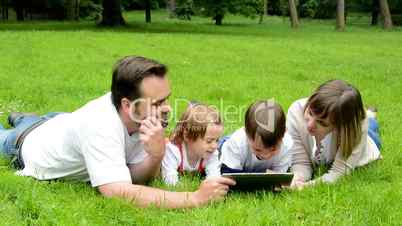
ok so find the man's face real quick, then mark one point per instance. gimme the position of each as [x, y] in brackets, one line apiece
[262, 152]
[154, 100]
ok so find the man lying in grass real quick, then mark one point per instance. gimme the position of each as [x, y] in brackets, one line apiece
[116, 141]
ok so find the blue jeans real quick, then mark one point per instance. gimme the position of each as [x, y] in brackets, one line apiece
[8, 137]
[373, 131]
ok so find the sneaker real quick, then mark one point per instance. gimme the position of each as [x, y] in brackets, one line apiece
[371, 112]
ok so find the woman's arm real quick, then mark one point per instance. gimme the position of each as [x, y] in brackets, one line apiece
[295, 125]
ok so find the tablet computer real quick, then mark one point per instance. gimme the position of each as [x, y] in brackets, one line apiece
[255, 181]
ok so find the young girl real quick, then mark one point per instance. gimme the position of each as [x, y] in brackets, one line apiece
[193, 144]
[331, 128]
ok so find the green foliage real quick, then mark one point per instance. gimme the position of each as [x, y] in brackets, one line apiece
[89, 10]
[395, 6]
[212, 8]
[217, 9]
[140, 4]
[184, 9]
[275, 8]
[248, 8]
[320, 9]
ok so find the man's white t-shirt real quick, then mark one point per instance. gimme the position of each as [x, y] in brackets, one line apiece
[173, 158]
[236, 153]
[90, 144]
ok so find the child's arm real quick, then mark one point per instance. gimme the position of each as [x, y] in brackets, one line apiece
[170, 163]
[231, 159]
[301, 163]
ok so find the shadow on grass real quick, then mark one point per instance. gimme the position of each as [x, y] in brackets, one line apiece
[240, 29]
[279, 29]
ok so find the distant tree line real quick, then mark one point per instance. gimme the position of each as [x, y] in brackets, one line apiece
[109, 12]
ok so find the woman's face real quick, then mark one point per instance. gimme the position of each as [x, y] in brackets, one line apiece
[318, 127]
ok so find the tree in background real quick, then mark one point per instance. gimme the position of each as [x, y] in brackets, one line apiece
[72, 8]
[213, 8]
[147, 11]
[171, 8]
[184, 9]
[111, 14]
[19, 9]
[294, 19]
[217, 9]
[375, 12]
[386, 14]
[340, 15]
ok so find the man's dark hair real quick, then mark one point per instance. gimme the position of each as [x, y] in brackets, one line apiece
[128, 74]
[267, 120]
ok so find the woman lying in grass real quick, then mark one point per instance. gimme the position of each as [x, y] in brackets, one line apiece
[193, 144]
[331, 128]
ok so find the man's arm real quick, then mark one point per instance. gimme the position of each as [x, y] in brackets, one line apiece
[145, 171]
[213, 189]
[151, 135]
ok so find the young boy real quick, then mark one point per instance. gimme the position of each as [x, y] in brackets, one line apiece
[262, 145]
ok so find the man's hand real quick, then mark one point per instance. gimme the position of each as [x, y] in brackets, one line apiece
[211, 189]
[152, 137]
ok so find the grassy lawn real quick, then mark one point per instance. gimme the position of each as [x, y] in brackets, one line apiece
[56, 66]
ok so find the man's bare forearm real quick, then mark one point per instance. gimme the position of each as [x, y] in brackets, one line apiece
[143, 196]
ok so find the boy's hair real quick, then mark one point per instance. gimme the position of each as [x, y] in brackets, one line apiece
[267, 120]
[343, 105]
[194, 122]
[128, 74]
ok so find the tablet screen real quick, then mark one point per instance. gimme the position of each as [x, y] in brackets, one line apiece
[253, 181]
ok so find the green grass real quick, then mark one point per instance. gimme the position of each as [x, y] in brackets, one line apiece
[59, 66]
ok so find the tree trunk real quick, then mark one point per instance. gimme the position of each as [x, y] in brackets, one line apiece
[218, 19]
[294, 20]
[386, 14]
[77, 9]
[19, 9]
[148, 11]
[375, 12]
[340, 15]
[171, 7]
[111, 14]
[261, 18]
[4, 9]
[70, 9]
